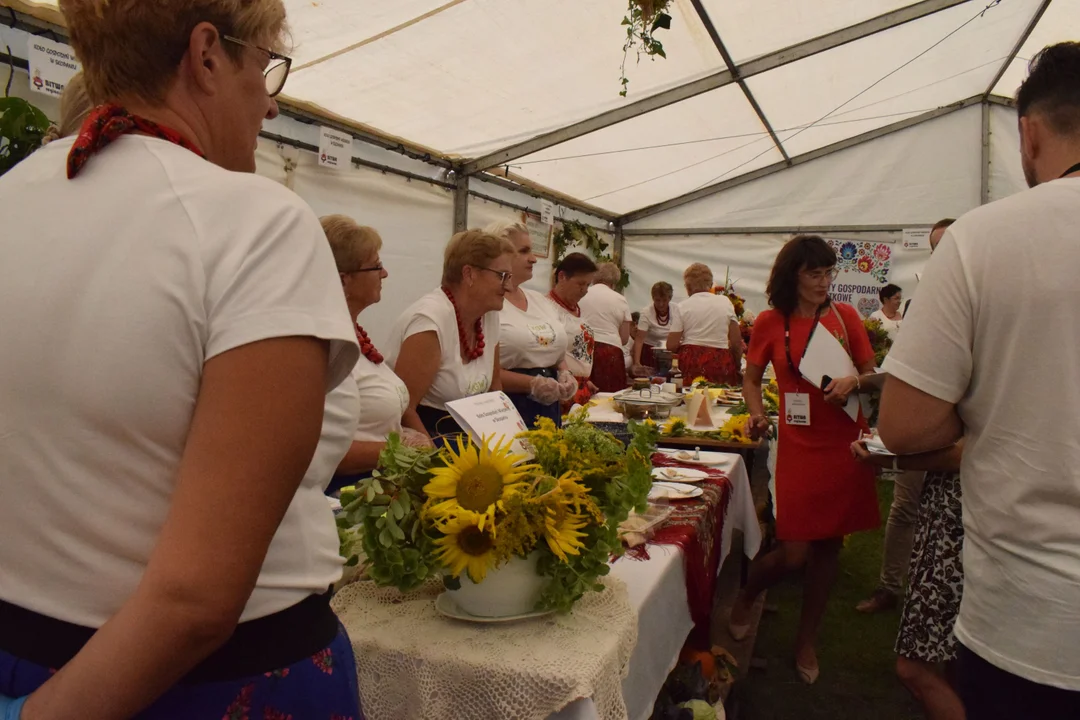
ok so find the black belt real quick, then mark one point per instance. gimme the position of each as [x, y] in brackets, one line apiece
[255, 647]
[548, 372]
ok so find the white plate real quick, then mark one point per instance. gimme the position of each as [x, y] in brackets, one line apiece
[446, 606]
[684, 475]
[673, 491]
[706, 457]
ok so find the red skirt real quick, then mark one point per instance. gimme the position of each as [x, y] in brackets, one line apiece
[609, 368]
[714, 364]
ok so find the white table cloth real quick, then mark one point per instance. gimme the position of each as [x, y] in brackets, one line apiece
[657, 590]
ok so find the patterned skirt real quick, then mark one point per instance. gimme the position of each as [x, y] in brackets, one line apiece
[609, 368]
[321, 687]
[714, 364]
[936, 576]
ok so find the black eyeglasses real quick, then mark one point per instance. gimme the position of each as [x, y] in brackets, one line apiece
[277, 71]
[505, 276]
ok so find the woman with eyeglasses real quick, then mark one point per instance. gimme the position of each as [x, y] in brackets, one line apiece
[445, 346]
[165, 542]
[572, 277]
[821, 492]
[532, 339]
[384, 396]
[705, 332]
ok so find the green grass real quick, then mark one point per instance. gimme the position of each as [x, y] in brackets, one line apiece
[858, 678]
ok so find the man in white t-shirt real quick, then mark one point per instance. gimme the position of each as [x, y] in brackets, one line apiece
[991, 353]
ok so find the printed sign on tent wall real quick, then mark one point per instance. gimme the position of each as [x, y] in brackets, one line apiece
[916, 239]
[335, 148]
[51, 65]
[863, 270]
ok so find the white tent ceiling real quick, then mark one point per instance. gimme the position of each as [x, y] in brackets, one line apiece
[468, 78]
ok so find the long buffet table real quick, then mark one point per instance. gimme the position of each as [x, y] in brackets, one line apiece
[653, 584]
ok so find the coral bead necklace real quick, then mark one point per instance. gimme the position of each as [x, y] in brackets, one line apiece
[477, 350]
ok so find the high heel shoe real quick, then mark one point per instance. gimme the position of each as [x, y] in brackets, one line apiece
[807, 675]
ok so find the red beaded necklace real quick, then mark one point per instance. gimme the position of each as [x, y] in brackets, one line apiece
[478, 349]
[575, 310]
[367, 348]
[662, 321]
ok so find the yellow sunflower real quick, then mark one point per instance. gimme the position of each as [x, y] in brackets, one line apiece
[476, 479]
[562, 530]
[466, 545]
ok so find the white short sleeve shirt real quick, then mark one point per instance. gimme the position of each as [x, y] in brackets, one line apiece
[385, 400]
[704, 319]
[891, 327]
[605, 311]
[655, 333]
[531, 338]
[996, 330]
[115, 289]
[455, 379]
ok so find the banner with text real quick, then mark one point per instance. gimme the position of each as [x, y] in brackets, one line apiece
[863, 270]
[51, 65]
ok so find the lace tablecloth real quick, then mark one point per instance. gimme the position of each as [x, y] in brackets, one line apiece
[414, 663]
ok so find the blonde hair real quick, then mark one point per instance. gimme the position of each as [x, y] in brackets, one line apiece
[506, 230]
[351, 244]
[134, 47]
[698, 278]
[472, 247]
[608, 273]
[75, 105]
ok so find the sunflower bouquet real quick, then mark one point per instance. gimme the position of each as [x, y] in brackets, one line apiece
[470, 508]
[879, 339]
[733, 430]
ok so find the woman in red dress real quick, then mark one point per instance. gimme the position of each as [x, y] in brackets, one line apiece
[821, 492]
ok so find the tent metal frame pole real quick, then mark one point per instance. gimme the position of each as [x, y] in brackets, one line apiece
[461, 202]
[561, 200]
[799, 160]
[984, 165]
[1002, 101]
[733, 68]
[771, 61]
[763, 230]
[1017, 47]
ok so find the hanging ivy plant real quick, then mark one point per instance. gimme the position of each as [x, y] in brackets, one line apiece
[643, 19]
[574, 233]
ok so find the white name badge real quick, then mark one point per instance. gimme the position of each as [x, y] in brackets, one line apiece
[797, 407]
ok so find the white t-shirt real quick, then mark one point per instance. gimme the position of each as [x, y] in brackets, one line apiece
[704, 319]
[580, 343]
[531, 338]
[605, 311]
[997, 331]
[115, 288]
[454, 379]
[655, 333]
[384, 397]
[891, 327]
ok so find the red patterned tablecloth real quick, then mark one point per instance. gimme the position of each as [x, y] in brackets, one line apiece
[696, 525]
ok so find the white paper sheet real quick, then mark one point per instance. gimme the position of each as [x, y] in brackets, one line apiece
[490, 415]
[826, 356]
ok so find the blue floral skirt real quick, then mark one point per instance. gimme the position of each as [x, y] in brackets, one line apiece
[321, 687]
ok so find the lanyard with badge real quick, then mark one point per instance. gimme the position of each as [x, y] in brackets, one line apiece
[797, 404]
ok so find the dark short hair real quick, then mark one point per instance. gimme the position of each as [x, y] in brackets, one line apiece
[942, 224]
[888, 291]
[1052, 87]
[574, 264]
[662, 289]
[802, 252]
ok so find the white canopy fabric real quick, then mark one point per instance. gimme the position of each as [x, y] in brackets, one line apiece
[466, 78]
